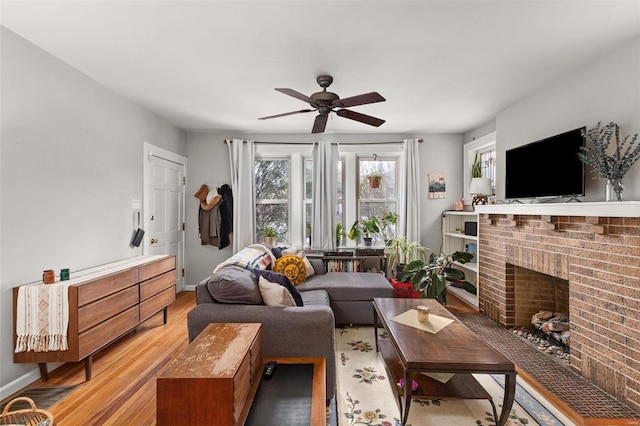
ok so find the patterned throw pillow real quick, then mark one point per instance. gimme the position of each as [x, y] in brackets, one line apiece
[281, 279]
[293, 267]
[274, 294]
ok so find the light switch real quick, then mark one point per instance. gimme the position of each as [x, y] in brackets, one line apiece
[136, 204]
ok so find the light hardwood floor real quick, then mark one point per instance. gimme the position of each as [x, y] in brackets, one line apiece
[123, 388]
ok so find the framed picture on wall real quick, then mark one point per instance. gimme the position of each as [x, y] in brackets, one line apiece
[437, 185]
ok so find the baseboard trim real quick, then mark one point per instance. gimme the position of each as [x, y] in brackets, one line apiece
[23, 381]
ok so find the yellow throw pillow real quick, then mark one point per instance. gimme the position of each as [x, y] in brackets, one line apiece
[293, 267]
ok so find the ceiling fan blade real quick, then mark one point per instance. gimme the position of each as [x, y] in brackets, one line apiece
[320, 124]
[367, 98]
[297, 95]
[363, 118]
[285, 114]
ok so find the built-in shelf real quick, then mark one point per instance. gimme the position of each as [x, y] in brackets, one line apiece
[461, 235]
[454, 239]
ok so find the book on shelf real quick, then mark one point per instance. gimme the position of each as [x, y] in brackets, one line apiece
[473, 249]
[343, 265]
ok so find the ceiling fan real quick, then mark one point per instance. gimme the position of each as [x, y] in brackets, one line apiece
[326, 102]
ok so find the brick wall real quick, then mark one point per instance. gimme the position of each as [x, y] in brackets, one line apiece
[600, 258]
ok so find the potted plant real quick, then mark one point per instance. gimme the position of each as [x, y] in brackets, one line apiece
[388, 223]
[611, 167]
[374, 180]
[269, 234]
[431, 279]
[401, 251]
[354, 232]
[370, 227]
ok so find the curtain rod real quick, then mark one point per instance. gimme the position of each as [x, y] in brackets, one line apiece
[226, 141]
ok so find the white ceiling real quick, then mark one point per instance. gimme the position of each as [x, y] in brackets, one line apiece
[443, 66]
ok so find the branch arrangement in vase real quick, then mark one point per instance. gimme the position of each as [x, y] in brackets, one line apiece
[612, 166]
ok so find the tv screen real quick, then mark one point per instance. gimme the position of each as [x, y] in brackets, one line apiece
[546, 168]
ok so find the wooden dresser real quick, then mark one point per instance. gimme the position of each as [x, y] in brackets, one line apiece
[214, 380]
[105, 303]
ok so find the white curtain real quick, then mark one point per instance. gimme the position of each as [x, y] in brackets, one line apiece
[323, 222]
[241, 156]
[409, 197]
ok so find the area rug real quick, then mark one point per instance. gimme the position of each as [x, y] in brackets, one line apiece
[365, 396]
[43, 396]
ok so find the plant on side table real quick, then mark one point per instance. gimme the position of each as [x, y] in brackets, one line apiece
[370, 227]
[431, 279]
[269, 234]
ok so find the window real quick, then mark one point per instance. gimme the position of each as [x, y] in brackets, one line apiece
[485, 147]
[487, 160]
[308, 199]
[272, 197]
[284, 188]
[377, 191]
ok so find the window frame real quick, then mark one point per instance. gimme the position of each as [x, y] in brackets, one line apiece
[482, 144]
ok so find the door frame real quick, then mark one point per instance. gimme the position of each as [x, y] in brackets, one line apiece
[149, 152]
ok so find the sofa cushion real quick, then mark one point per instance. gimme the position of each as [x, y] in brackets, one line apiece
[234, 284]
[355, 286]
[274, 294]
[293, 267]
[281, 279]
[318, 266]
[315, 298]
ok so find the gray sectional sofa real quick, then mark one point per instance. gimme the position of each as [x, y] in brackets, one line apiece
[298, 331]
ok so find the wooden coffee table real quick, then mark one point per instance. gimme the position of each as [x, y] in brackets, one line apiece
[410, 351]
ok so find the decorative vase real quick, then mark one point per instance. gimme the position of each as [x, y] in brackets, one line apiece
[614, 190]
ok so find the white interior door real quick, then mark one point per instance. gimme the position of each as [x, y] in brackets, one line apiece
[164, 212]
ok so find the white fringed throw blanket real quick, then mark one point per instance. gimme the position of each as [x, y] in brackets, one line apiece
[42, 317]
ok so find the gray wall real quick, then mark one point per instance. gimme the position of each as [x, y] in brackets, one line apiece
[604, 89]
[71, 162]
[209, 163]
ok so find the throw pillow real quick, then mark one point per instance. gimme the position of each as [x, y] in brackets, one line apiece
[281, 279]
[274, 294]
[234, 284]
[293, 267]
[299, 251]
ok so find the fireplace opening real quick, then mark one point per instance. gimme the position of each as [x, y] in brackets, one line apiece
[542, 311]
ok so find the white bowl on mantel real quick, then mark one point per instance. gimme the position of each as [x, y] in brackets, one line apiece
[602, 209]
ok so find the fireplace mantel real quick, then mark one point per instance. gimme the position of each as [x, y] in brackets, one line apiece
[602, 209]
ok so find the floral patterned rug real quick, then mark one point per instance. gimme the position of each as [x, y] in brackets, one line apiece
[365, 396]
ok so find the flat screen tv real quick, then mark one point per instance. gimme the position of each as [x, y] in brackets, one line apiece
[547, 168]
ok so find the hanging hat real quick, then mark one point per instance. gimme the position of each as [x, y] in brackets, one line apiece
[211, 200]
[202, 193]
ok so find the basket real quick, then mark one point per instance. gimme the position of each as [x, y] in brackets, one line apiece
[403, 290]
[29, 417]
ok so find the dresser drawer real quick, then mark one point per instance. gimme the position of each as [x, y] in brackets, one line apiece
[158, 302]
[256, 365]
[156, 268]
[100, 310]
[241, 386]
[156, 285]
[93, 290]
[105, 332]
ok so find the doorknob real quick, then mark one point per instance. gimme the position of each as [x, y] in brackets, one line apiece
[153, 241]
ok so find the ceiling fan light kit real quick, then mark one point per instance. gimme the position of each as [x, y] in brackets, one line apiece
[327, 102]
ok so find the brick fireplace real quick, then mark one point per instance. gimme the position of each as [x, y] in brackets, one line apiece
[598, 256]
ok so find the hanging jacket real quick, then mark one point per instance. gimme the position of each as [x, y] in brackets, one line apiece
[226, 216]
